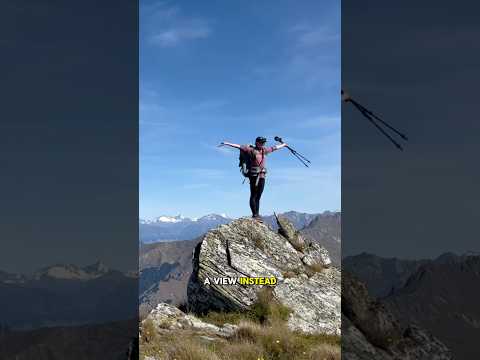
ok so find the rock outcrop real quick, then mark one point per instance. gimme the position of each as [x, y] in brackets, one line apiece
[246, 248]
[168, 317]
[370, 331]
[325, 229]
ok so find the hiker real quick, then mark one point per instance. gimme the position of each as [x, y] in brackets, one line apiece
[257, 169]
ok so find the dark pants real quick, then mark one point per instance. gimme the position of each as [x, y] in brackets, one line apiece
[256, 191]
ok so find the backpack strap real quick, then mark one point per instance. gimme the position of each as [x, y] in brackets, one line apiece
[254, 156]
[258, 169]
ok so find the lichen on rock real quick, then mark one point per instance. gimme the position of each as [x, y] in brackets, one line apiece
[247, 248]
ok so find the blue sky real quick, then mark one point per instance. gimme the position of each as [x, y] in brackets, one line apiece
[225, 70]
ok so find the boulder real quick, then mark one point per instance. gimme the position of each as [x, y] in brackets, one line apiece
[168, 317]
[370, 316]
[247, 248]
[315, 301]
[371, 332]
[288, 231]
[316, 256]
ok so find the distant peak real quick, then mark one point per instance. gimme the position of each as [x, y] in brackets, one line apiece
[170, 219]
[72, 272]
[181, 218]
[214, 217]
[60, 271]
[98, 267]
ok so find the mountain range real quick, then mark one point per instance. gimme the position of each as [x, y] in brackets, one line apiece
[170, 228]
[325, 229]
[164, 271]
[384, 276]
[61, 295]
[165, 266]
[440, 295]
[111, 340]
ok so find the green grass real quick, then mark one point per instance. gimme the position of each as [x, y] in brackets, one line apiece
[264, 310]
[251, 341]
[262, 334]
[267, 309]
[280, 343]
[220, 318]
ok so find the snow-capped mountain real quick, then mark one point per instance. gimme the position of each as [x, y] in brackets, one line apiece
[213, 217]
[8, 278]
[165, 219]
[173, 228]
[165, 228]
[72, 272]
[66, 294]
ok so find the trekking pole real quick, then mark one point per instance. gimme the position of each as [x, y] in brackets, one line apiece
[279, 139]
[364, 109]
[370, 116]
[298, 154]
[300, 157]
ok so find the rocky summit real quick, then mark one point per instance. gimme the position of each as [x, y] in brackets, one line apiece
[371, 331]
[246, 248]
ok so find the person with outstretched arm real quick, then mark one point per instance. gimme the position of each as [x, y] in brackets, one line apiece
[258, 170]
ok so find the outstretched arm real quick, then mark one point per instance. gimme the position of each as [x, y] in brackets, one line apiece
[236, 146]
[273, 148]
[279, 146]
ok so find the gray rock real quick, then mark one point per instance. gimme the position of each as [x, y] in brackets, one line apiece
[288, 231]
[371, 317]
[315, 302]
[316, 256]
[370, 331]
[168, 317]
[355, 345]
[247, 248]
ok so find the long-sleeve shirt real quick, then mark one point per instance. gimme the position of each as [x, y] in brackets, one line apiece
[260, 158]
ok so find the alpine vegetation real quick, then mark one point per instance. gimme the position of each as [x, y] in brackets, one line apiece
[252, 295]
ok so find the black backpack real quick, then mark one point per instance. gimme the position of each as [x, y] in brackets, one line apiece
[245, 162]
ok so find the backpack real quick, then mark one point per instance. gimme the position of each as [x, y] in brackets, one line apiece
[245, 160]
[246, 163]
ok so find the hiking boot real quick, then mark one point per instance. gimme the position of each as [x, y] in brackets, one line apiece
[257, 217]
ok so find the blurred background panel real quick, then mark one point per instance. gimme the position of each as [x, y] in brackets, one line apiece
[69, 179]
[410, 217]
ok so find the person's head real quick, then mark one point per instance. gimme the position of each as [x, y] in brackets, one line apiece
[260, 142]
